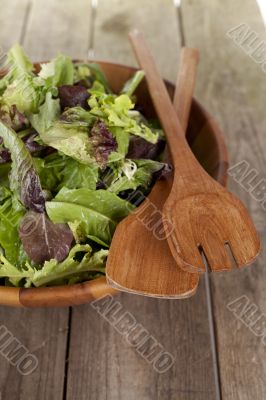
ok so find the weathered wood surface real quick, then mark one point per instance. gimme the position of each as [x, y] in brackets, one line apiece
[233, 87]
[56, 26]
[101, 364]
[114, 19]
[13, 17]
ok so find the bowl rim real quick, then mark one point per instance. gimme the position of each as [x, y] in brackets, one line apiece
[80, 293]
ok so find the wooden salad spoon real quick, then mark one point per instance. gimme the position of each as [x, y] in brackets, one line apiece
[204, 221]
[140, 260]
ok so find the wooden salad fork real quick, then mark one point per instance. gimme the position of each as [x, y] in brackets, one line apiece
[201, 216]
[140, 260]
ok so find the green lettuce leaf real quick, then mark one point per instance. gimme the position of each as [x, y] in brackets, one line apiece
[49, 171]
[75, 117]
[48, 113]
[76, 175]
[89, 73]
[25, 94]
[5, 193]
[98, 211]
[98, 75]
[102, 201]
[127, 177]
[94, 223]
[10, 218]
[13, 273]
[58, 72]
[4, 174]
[22, 89]
[84, 145]
[122, 139]
[132, 84]
[18, 66]
[82, 73]
[79, 260]
[26, 90]
[73, 142]
[75, 133]
[18, 62]
[115, 111]
[56, 171]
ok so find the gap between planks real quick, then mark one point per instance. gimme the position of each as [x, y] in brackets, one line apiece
[93, 12]
[25, 22]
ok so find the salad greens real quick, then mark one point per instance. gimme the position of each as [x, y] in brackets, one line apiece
[24, 181]
[99, 211]
[10, 218]
[73, 156]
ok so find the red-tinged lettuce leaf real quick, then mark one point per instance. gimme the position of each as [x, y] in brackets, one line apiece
[103, 143]
[31, 145]
[24, 181]
[44, 240]
[117, 112]
[4, 156]
[13, 118]
[31, 192]
[139, 148]
[77, 117]
[72, 96]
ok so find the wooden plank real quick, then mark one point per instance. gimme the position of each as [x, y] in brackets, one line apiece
[12, 17]
[52, 26]
[233, 86]
[101, 363]
[156, 18]
[55, 26]
[43, 332]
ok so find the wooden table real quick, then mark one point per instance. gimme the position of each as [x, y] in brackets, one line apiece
[80, 355]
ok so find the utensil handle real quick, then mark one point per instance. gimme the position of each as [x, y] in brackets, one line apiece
[174, 132]
[185, 84]
[184, 89]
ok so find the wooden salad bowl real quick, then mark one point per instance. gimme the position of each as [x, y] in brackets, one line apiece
[207, 143]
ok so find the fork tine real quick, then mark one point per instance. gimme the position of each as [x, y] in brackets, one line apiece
[216, 255]
[193, 263]
[245, 253]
